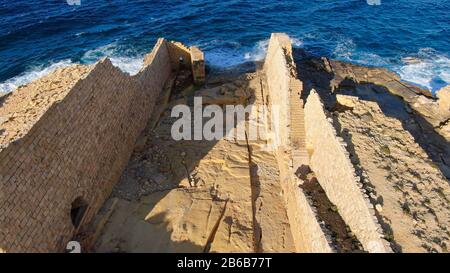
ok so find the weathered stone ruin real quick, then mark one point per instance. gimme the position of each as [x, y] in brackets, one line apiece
[86, 154]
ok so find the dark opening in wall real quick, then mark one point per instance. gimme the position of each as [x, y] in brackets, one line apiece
[79, 206]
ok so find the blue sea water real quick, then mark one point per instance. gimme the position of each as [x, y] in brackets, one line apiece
[410, 37]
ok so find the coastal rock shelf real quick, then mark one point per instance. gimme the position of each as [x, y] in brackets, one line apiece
[347, 159]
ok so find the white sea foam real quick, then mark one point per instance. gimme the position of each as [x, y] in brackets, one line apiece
[258, 51]
[127, 62]
[427, 68]
[131, 65]
[32, 74]
[221, 53]
[296, 42]
[223, 57]
[346, 50]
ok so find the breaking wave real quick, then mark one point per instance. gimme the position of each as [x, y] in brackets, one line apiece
[128, 64]
[351, 31]
[222, 53]
[427, 68]
[32, 74]
[227, 54]
[126, 60]
[258, 52]
[346, 50]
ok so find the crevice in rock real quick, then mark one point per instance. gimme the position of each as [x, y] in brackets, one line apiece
[255, 192]
[443, 123]
[212, 235]
[262, 91]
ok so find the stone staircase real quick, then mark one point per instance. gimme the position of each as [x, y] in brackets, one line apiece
[298, 135]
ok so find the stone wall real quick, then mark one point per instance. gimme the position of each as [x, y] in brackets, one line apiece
[72, 155]
[434, 110]
[178, 50]
[306, 231]
[330, 162]
[198, 65]
[278, 74]
[283, 94]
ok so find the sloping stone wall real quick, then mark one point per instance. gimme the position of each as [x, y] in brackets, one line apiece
[310, 238]
[278, 80]
[283, 88]
[76, 150]
[331, 163]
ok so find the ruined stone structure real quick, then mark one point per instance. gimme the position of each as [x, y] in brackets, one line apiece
[58, 166]
[198, 65]
[284, 96]
[86, 154]
[331, 163]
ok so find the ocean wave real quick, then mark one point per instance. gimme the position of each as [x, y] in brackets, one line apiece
[427, 68]
[227, 56]
[231, 54]
[296, 42]
[221, 53]
[129, 64]
[31, 75]
[126, 60]
[222, 57]
[258, 52]
[346, 50]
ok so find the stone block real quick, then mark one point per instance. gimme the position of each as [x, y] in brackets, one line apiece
[198, 65]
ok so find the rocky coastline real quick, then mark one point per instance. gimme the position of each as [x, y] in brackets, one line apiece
[232, 194]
